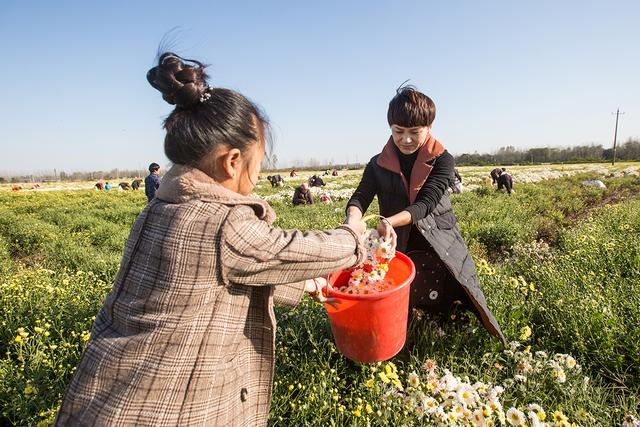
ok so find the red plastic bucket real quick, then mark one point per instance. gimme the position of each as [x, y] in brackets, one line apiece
[373, 327]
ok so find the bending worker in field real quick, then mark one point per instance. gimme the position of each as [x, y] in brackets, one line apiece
[410, 177]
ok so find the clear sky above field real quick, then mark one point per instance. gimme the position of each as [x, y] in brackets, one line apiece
[501, 73]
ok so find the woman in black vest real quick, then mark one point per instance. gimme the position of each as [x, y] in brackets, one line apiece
[410, 177]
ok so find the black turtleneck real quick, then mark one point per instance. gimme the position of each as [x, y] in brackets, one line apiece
[406, 162]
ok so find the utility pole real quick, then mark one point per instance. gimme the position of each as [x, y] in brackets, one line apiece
[615, 136]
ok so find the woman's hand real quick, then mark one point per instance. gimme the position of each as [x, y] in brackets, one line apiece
[386, 230]
[315, 286]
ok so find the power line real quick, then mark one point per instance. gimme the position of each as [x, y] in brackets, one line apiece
[615, 135]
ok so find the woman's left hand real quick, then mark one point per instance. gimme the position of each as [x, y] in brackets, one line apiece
[315, 286]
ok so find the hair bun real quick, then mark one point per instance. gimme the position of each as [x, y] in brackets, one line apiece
[181, 84]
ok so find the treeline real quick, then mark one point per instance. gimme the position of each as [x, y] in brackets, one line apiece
[627, 151]
[55, 176]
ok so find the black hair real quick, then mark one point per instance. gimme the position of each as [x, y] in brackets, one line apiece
[204, 117]
[154, 167]
[411, 108]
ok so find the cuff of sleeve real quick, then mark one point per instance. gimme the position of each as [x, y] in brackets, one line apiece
[360, 251]
[413, 211]
[288, 295]
[355, 203]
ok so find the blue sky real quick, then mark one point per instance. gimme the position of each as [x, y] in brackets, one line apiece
[543, 73]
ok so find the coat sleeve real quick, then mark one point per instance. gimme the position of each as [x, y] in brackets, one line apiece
[288, 295]
[433, 189]
[257, 254]
[366, 190]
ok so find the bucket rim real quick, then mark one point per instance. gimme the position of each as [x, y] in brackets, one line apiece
[378, 295]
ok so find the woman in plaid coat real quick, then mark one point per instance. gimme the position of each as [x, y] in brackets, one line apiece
[186, 337]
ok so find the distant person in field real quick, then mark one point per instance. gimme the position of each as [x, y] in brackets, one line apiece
[292, 173]
[302, 195]
[505, 181]
[107, 186]
[99, 185]
[152, 181]
[124, 186]
[186, 336]
[456, 183]
[276, 180]
[335, 172]
[410, 177]
[316, 181]
[495, 173]
[135, 184]
[325, 198]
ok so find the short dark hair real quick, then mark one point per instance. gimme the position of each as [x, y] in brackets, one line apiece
[204, 117]
[154, 167]
[411, 108]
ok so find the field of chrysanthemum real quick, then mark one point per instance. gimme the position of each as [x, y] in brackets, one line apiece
[559, 263]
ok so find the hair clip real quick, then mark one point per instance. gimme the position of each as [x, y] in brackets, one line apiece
[206, 94]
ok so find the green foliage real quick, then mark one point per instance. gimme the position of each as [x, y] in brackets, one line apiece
[59, 252]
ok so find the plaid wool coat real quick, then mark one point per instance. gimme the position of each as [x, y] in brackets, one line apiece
[186, 336]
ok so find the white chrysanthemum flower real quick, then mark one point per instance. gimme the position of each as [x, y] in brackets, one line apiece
[413, 380]
[430, 405]
[520, 378]
[458, 411]
[515, 417]
[451, 382]
[495, 405]
[466, 395]
[570, 362]
[560, 375]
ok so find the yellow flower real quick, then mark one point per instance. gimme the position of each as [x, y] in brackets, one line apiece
[384, 378]
[18, 339]
[358, 411]
[390, 368]
[525, 333]
[38, 329]
[29, 390]
[558, 416]
[379, 413]
[368, 409]
[582, 415]
[369, 383]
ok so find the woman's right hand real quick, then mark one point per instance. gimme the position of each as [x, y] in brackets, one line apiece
[385, 230]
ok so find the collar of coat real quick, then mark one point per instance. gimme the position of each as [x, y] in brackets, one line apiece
[388, 159]
[183, 183]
